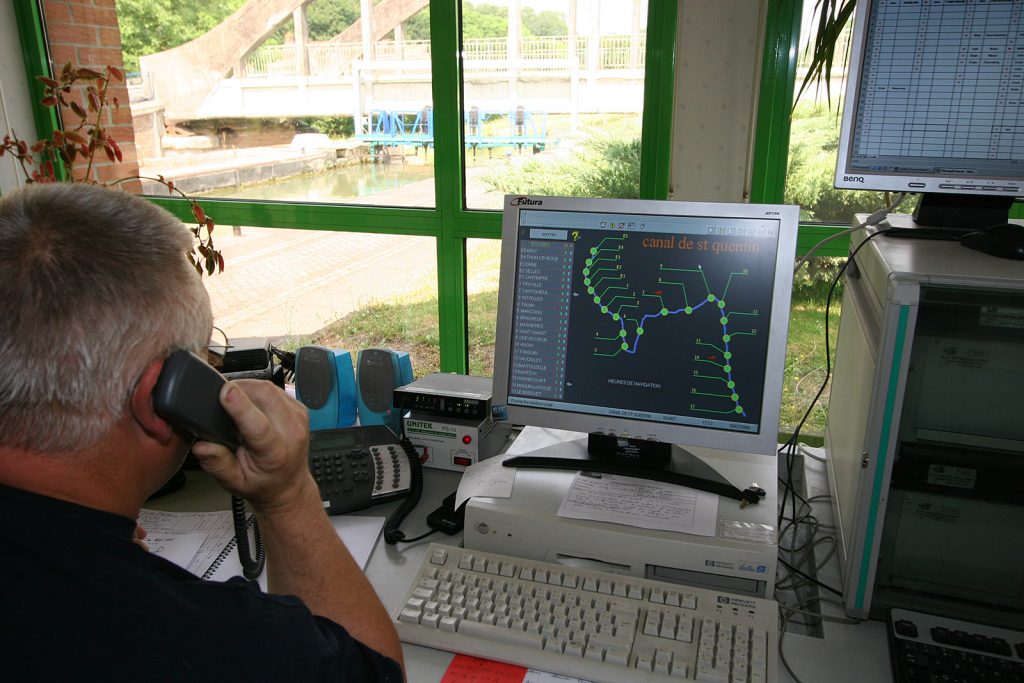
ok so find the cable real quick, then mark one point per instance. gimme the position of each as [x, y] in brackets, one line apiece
[287, 361]
[414, 538]
[252, 567]
[784, 614]
[392, 534]
[807, 454]
[811, 579]
[873, 219]
[800, 519]
[789, 448]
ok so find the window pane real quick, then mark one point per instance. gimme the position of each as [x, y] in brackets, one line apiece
[339, 289]
[814, 138]
[482, 266]
[314, 108]
[805, 350]
[553, 98]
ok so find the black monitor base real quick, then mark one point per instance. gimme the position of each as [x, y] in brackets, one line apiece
[961, 213]
[640, 458]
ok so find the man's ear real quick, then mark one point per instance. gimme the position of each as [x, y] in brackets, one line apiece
[141, 404]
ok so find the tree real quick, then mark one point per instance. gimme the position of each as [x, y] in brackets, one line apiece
[814, 139]
[417, 27]
[328, 18]
[545, 23]
[149, 26]
[484, 21]
[601, 167]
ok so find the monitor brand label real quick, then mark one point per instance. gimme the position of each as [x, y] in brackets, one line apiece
[524, 201]
[853, 179]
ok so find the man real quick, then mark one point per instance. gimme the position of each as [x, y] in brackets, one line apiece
[97, 292]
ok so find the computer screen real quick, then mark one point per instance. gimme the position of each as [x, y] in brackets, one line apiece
[933, 105]
[659, 321]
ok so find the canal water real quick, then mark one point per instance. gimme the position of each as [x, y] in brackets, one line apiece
[341, 184]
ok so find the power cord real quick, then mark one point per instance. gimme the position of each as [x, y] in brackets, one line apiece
[802, 518]
[872, 220]
[286, 359]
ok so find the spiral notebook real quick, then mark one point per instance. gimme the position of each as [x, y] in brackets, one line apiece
[204, 542]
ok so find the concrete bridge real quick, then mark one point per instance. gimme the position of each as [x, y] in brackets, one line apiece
[228, 73]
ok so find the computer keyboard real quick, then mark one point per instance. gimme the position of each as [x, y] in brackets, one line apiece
[928, 648]
[592, 625]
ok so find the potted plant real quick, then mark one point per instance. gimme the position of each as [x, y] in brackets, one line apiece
[68, 154]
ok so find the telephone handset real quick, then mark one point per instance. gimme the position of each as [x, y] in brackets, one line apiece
[356, 467]
[187, 394]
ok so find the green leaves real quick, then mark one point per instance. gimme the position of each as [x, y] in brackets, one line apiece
[833, 16]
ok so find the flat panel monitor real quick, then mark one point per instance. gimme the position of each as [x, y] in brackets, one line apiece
[649, 325]
[933, 105]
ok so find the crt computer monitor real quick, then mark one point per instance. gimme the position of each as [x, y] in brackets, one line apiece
[645, 324]
[933, 105]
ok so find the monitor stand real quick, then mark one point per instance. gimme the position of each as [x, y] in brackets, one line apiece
[654, 460]
[949, 216]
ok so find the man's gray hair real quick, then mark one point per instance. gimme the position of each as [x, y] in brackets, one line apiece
[95, 285]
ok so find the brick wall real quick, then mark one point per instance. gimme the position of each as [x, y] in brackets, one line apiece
[85, 33]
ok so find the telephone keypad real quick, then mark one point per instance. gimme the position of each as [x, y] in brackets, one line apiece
[354, 475]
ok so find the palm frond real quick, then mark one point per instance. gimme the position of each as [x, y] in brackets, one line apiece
[833, 17]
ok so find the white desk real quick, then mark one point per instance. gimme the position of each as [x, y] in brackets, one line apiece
[847, 654]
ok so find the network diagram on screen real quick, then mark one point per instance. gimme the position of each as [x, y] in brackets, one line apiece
[660, 318]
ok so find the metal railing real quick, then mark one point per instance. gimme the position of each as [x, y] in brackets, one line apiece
[536, 53]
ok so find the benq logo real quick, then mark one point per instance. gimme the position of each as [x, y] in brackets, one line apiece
[525, 201]
[853, 179]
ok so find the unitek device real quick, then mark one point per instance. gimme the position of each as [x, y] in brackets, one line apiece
[452, 443]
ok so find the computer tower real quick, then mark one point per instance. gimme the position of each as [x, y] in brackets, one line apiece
[925, 435]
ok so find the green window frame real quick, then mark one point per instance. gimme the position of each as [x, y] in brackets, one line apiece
[450, 223]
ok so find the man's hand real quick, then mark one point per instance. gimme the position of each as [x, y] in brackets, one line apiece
[305, 557]
[270, 469]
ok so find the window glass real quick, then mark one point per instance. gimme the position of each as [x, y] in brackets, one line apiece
[553, 97]
[338, 289]
[814, 136]
[805, 350]
[483, 258]
[318, 106]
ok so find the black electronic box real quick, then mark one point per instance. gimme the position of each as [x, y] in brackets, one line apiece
[447, 394]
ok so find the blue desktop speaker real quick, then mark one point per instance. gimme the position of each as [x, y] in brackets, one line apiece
[325, 383]
[378, 373]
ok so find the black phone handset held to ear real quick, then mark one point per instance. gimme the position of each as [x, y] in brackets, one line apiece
[187, 394]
